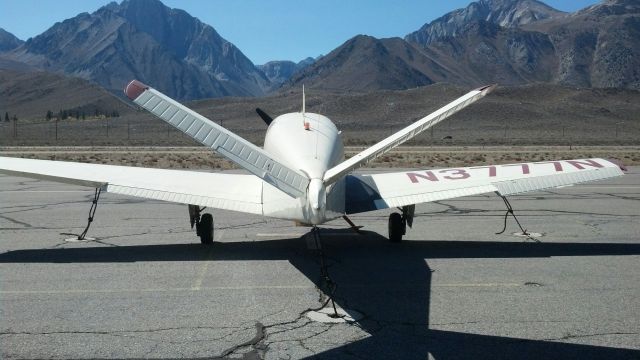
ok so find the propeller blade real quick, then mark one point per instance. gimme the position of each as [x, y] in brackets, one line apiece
[268, 119]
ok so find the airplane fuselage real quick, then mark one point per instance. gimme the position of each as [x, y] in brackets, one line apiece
[312, 150]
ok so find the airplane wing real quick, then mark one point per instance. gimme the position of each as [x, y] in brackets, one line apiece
[224, 142]
[236, 192]
[387, 190]
[405, 134]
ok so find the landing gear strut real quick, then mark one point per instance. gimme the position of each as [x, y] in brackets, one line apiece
[92, 213]
[510, 212]
[203, 224]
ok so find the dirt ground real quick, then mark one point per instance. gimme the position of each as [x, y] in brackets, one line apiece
[405, 157]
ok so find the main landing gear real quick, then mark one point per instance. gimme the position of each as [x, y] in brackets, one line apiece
[398, 222]
[203, 224]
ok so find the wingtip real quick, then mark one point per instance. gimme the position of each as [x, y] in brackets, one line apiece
[619, 164]
[134, 89]
[487, 88]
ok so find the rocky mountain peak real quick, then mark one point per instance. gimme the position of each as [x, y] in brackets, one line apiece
[279, 71]
[611, 7]
[145, 39]
[505, 13]
[8, 41]
[364, 63]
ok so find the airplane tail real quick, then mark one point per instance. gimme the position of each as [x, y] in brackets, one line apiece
[224, 142]
[409, 132]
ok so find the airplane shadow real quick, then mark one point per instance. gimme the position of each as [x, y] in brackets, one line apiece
[389, 283]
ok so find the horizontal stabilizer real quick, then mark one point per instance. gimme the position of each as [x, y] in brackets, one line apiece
[237, 192]
[405, 134]
[390, 190]
[224, 142]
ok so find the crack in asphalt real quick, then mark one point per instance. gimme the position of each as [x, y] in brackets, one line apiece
[112, 332]
[18, 222]
[260, 343]
[241, 226]
[622, 197]
[29, 208]
[578, 336]
[257, 350]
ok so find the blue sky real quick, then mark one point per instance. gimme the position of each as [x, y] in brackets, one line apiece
[268, 30]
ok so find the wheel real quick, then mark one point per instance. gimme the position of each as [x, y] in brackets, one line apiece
[205, 229]
[396, 227]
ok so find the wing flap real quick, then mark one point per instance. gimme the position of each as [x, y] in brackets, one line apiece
[381, 191]
[233, 147]
[237, 192]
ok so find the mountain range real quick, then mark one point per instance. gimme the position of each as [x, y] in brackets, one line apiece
[146, 40]
[510, 42]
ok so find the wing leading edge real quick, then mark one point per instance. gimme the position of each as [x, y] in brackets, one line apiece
[387, 190]
[237, 192]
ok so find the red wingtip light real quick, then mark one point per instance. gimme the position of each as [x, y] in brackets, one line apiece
[134, 89]
[487, 88]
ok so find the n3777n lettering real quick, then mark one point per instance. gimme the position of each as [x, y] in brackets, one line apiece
[494, 170]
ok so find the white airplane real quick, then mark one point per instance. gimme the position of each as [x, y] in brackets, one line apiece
[301, 173]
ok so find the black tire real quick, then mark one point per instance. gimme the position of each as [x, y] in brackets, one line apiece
[396, 227]
[205, 229]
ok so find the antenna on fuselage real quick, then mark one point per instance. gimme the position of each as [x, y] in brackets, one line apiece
[304, 119]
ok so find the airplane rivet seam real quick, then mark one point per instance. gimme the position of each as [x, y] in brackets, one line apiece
[170, 118]
[185, 123]
[153, 103]
[242, 152]
[182, 120]
[164, 115]
[206, 137]
[204, 131]
[162, 110]
[193, 121]
[195, 132]
[144, 99]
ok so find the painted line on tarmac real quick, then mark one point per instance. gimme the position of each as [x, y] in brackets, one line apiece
[478, 285]
[197, 283]
[279, 235]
